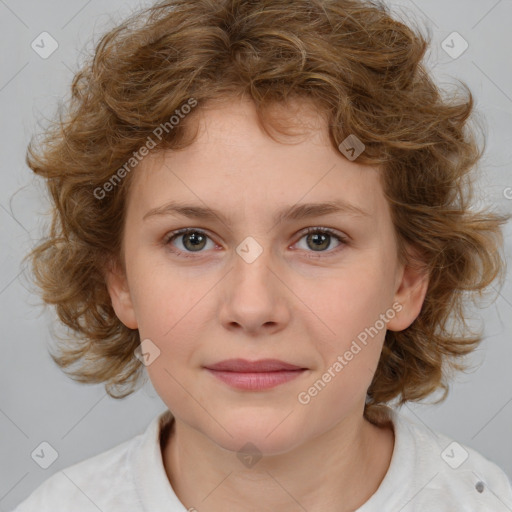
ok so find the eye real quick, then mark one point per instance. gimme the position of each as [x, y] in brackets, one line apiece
[195, 240]
[192, 240]
[319, 239]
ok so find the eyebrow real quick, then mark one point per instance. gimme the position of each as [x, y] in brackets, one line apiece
[295, 212]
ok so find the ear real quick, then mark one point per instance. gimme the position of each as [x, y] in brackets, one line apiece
[117, 285]
[411, 288]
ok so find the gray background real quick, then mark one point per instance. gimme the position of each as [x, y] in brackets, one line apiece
[39, 403]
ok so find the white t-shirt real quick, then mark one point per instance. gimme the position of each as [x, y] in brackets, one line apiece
[428, 473]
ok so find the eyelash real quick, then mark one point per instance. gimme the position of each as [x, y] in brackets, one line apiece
[175, 234]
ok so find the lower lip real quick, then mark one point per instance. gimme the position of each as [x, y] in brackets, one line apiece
[256, 381]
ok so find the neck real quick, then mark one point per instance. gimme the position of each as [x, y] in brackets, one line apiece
[313, 475]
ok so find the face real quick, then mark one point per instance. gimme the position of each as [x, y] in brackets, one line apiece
[245, 283]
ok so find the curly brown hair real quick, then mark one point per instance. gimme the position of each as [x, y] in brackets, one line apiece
[364, 71]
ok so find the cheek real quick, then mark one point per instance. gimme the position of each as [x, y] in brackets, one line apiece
[347, 301]
[164, 297]
[348, 320]
[174, 310]
[174, 324]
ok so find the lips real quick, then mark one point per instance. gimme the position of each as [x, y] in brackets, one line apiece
[245, 366]
[255, 375]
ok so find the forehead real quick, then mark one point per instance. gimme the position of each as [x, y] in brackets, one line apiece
[234, 164]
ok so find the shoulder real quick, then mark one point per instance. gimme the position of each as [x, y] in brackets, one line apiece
[445, 473]
[102, 482]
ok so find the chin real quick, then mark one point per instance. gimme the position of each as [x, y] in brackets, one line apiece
[269, 434]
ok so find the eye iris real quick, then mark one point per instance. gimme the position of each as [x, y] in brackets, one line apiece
[319, 237]
[196, 239]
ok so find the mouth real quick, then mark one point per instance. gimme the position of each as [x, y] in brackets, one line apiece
[255, 375]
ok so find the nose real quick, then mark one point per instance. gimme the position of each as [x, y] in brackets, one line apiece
[254, 299]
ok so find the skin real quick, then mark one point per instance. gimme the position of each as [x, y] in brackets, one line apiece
[284, 305]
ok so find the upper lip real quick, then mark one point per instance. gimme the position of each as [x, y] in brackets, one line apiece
[245, 366]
